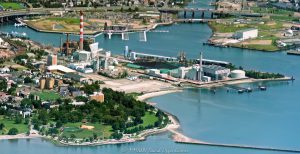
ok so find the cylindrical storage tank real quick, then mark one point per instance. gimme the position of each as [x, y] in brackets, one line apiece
[236, 74]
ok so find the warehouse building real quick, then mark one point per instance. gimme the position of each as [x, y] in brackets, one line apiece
[246, 34]
[60, 69]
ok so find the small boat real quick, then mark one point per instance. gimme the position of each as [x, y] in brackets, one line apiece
[263, 88]
[249, 89]
[240, 91]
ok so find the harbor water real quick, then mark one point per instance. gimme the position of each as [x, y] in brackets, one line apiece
[261, 118]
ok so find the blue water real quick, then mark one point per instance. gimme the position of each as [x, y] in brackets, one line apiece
[263, 118]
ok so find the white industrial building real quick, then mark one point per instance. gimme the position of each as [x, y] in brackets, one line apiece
[216, 72]
[237, 74]
[246, 34]
[194, 73]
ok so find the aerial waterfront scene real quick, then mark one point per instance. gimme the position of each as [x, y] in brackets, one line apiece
[198, 76]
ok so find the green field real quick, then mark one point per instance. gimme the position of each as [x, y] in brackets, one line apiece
[230, 28]
[47, 95]
[67, 20]
[22, 128]
[102, 131]
[14, 6]
[259, 47]
[148, 119]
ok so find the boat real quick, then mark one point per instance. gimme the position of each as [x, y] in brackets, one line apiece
[294, 52]
[240, 91]
[263, 88]
[249, 89]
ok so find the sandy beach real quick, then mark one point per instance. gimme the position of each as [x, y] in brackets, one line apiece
[154, 94]
[19, 136]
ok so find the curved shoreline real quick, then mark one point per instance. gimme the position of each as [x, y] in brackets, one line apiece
[93, 33]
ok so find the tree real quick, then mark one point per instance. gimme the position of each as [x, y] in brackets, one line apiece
[58, 124]
[27, 79]
[2, 126]
[81, 99]
[73, 136]
[3, 85]
[12, 91]
[13, 131]
[18, 119]
[136, 9]
[95, 136]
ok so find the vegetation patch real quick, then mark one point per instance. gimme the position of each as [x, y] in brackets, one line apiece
[11, 5]
[75, 130]
[6, 124]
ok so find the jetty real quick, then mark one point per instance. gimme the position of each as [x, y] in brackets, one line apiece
[179, 137]
[240, 146]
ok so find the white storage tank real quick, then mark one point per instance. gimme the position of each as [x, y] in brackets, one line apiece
[237, 74]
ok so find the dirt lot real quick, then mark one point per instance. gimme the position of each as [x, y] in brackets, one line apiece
[139, 85]
[258, 42]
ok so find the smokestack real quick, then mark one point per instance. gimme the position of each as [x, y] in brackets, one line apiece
[67, 45]
[81, 31]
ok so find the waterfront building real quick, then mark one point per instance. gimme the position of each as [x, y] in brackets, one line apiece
[246, 34]
[216, 72]
[52, 60]
[237, 74]
[98, 96]
[194, 73]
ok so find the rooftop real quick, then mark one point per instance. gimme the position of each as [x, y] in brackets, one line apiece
[246, 30]
[60, 68]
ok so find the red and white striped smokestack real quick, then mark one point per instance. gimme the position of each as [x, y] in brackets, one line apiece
[81, 31]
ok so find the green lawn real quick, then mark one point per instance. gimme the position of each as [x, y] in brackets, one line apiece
[47, 95]
[148, 119]
[67, 20]
[14, 6]
[259, 47]
[22, 128]
[74, 128]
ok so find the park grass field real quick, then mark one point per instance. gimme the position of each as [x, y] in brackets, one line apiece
[22, 128]
[102, 131]
[47, 95]
[148, 119]
[11, 5]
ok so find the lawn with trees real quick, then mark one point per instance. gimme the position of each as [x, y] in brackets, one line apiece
[12, 5]
[6, 124]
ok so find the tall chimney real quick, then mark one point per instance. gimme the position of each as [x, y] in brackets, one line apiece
[81, 31]
[67, 45]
